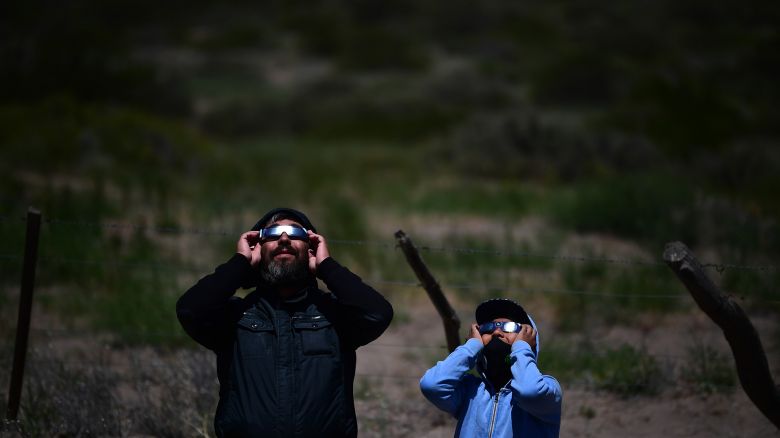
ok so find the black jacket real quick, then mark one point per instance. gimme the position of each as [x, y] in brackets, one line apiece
[285, 367]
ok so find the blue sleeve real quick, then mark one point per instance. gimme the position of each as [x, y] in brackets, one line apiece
[538, 394]
[444, 384]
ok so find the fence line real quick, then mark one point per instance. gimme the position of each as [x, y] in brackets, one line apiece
[590, 384]
[376, 344]
[718, 266]
[377, 280]
[580, 383]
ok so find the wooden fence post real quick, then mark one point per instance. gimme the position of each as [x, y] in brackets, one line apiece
[749, 356]
[447, 313]
[25, 310]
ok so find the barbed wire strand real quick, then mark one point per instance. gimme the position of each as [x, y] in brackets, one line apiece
[579, 383]
[376, 280]
[720, 267]
[404, 283]
[58, 333]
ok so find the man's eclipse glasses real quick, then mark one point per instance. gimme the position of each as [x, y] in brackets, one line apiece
[276, 231]
[505, 326]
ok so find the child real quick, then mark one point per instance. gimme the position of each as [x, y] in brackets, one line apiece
[512, 398]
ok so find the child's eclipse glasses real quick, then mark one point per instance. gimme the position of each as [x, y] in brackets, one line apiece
[505, 326]
[275, 232]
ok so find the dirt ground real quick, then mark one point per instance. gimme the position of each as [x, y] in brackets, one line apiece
[398, 409]
[162, 392]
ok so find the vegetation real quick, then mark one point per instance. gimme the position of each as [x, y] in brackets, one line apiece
[709, 370]
[623, 370]
[150, 135]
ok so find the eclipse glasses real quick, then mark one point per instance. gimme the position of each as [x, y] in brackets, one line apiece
[505, 326]
[275, 232]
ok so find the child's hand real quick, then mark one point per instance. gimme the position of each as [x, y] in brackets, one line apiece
[475, 332]
[527, 334]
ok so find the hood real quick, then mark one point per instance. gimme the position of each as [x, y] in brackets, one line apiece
[481, 360]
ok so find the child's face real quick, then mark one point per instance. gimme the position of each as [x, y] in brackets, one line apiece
[509, 338]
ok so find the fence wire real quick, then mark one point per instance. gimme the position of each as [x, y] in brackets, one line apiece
[391, 245]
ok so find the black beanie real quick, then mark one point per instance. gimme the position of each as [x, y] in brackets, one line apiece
[501, 308]
[295, 214]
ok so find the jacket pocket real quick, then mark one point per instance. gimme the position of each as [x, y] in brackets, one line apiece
[317, 334]
[255, 337]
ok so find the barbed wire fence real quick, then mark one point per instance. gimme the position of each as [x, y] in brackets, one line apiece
[52, 334]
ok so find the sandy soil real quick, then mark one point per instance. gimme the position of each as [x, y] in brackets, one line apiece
[387, 396]
[395, 407]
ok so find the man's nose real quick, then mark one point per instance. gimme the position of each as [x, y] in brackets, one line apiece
[284, 237]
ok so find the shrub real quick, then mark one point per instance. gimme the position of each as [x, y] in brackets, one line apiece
[648, 207]
[627, 371]
[622, 370]
[520, 145]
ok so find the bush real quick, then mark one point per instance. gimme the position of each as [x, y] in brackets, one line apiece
[649, 207]
[627, 371]
[613, 293]
[519, 145]
[623, 370]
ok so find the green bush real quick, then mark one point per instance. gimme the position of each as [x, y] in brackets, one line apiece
[518, 144]
[627, 371]
[756, 288]
[648, 207]
[106, 146]
[614, 293]
[475, 198]
[622, 370]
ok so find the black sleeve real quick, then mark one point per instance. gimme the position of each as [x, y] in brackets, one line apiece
[205, 310]
[364, 310]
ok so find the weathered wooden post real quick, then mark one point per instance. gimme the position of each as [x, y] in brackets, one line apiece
[751, 361]
[447, 313]
[25, 310]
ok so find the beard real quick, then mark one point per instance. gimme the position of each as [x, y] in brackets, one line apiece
[285, 273]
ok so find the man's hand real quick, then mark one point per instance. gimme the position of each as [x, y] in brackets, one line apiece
[527, 334]
[249, 247]
[318, 251]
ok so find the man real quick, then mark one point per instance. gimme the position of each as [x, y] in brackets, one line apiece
[512, 398]
[285, 352]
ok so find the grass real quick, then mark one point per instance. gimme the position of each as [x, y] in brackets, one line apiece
[482, 198]
[614, 294]
[161, 395]
[649, 207]
[708, 370]
[384, 116]
[75, 256]
[387, 123]
[623, 370]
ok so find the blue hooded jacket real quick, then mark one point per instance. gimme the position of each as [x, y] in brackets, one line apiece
[528, 406]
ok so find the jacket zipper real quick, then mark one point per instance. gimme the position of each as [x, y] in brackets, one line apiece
[293, 360]
[493, 417]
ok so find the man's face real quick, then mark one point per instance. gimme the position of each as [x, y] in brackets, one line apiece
[508, 338]
[284, 249]
[284, 260]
